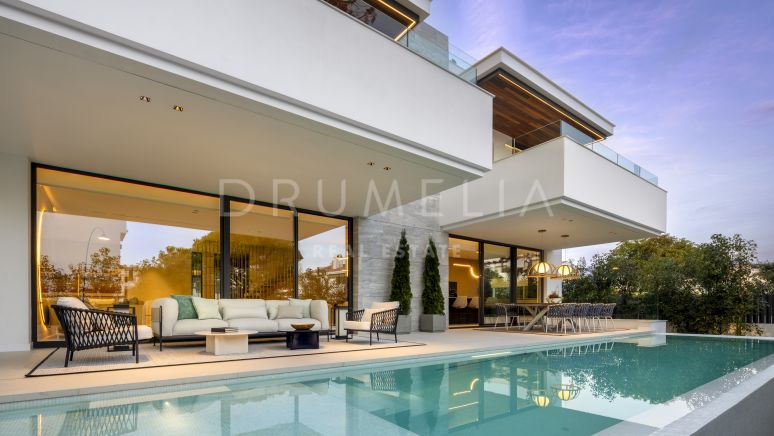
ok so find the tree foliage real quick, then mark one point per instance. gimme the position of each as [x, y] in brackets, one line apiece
[401, 276]
[432, 296]
[699, 288]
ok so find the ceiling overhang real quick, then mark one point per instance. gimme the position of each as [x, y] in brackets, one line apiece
[521, 86]
[567, 223]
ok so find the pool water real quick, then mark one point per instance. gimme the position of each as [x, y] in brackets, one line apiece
[630, 385]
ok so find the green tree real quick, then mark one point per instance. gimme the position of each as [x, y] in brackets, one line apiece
[315, 283]
[432, 296]
[698, 288]
[104, 273]
[401, 276]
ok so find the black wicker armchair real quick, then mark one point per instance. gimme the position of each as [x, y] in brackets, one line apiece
[90, 328]
[385, 321]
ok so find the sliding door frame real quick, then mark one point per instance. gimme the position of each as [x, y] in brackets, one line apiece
[512, 251]
[224, 224]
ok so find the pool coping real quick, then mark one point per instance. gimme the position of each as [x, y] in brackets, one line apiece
[8, 400]
[696, 420]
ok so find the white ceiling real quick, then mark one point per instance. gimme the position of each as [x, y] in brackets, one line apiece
[79, 108]
[583, 228]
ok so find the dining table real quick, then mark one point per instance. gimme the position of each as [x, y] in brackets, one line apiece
[536, 310]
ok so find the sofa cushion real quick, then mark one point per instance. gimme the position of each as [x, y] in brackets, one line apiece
[206, 308]
[72, 302]
[387, 305]
[304, 304]
[357, 325]
[242, 308]
[185, 307]
[191, 326]
[261, 325]
[272, 305]
[460, 303]
[144, 332]
[283, 325]
[294, 312]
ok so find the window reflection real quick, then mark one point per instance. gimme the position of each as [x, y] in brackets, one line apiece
[110, 242]
[528, 289]
[497, 279]
[261, 252]
[463, 282]
[323, 259]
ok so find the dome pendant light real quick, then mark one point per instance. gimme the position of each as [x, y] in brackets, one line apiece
[541, 269]
[565, 270]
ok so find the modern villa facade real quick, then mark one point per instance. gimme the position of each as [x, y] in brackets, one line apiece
[278, 149]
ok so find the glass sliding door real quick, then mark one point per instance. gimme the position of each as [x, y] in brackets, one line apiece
[497, 279]
[464, 282]
[528, 289]
[323, 259]
[261, 252]
[108, 242]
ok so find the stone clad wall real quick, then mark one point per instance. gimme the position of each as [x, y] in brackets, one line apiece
[376, 241]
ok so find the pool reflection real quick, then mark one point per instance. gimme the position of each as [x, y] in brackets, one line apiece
[581, 389]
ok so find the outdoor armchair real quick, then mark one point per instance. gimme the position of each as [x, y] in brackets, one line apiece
[377, 319]
[86, 328]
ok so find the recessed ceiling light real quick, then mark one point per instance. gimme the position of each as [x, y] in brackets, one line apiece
[387, 168]
[177, 108]
[145, 98]
[565, 236]
[370, 163]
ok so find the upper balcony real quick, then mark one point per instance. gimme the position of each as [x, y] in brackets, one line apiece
[580, 196]
[271, 89]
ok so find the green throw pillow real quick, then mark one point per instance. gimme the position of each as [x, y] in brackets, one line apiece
[185, 307]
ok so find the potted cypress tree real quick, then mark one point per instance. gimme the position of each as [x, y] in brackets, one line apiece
[433, 317]
[401, 284]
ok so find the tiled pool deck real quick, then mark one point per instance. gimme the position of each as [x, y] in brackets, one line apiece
[14, 386]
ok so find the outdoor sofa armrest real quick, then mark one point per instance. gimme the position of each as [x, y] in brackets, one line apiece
[385, 321]
[318, 309]
[356, 315]
[163, 316]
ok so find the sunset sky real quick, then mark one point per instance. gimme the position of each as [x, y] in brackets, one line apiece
[689, 85]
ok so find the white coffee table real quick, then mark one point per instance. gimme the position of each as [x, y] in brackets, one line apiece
[226, 343]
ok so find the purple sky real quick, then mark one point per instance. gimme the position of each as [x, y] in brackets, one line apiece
[689, 85]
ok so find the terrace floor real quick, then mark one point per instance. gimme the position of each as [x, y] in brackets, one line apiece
[14, 386]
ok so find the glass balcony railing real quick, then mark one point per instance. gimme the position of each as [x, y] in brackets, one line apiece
[423, 39]
[433, 46]
[506, 146]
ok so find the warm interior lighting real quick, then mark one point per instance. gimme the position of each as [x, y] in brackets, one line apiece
[566, 392]
[566, 271]
[103, 238]
[540, 398]
[596, 135]
[541, 269]
[464, 265]
[40, 282]
[411, 21]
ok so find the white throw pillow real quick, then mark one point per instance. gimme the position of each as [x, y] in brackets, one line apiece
[242, 308]
[385, 305]
[72, 302]
[473, 303]
[367, 314]
[272, 305]
[206, 308]
[460, 303]
[290, 312]
[304, 304]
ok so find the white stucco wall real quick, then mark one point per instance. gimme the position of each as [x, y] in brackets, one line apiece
[301, 52]
[558, 169]
[14, 253]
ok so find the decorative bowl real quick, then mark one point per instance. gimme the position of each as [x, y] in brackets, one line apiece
[302, 326]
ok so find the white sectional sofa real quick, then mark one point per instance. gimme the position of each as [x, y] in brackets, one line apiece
[246, 314]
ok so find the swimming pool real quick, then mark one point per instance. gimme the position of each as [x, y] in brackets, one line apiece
[636, 384]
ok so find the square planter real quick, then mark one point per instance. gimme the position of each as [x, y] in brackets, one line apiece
[432, 323]
[404, 324]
